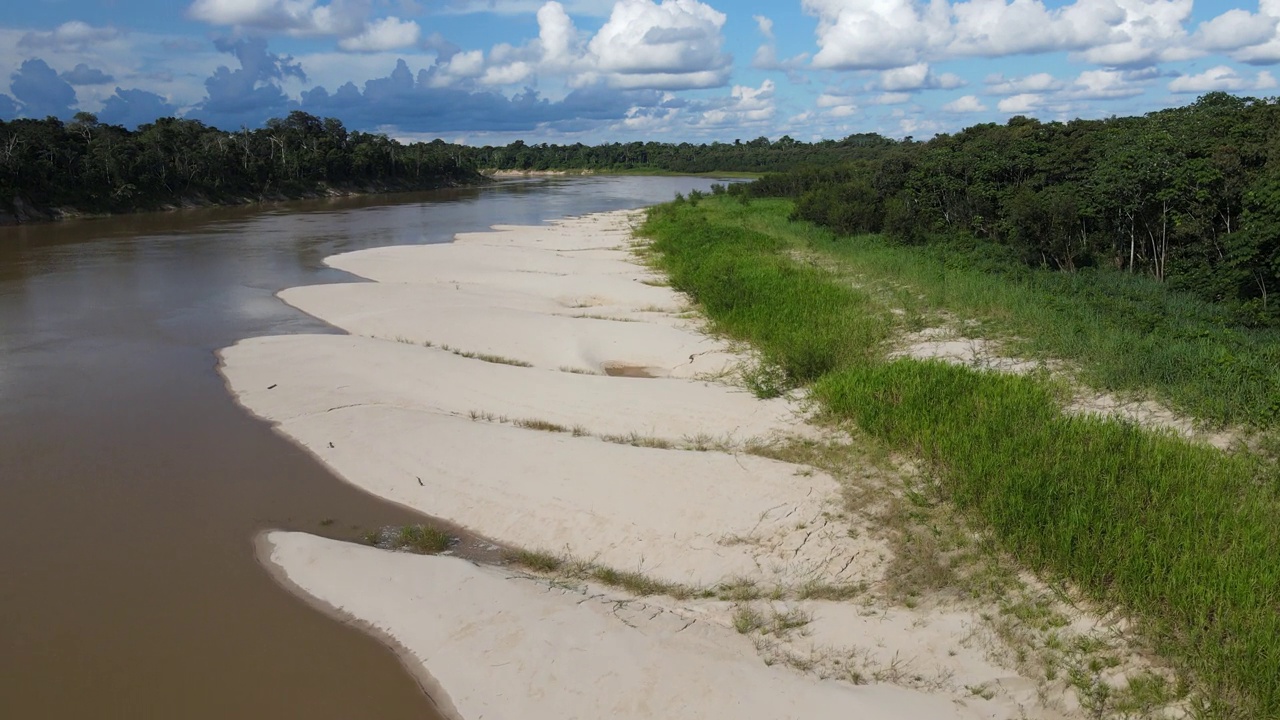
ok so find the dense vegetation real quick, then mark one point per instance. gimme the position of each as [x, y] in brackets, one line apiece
[753, 156]
[1189, 196]
[1182, 536]
[91, 167]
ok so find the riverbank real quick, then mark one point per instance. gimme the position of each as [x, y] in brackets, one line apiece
[19, 211]
[542, 387]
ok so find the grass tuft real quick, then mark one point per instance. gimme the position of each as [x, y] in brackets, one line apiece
[421, 539]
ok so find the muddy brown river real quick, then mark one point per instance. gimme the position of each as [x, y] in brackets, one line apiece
[132, 486]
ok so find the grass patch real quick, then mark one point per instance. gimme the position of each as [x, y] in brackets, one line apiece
[1124, 333]
[635, 439]
[535, 560]
[578, 371]
[543, 425]
[636, 583]
[610, 318]
[486, 357]
[1184, 537]
[801, 323]
[421, 539]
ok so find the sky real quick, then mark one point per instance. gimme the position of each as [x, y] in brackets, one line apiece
[595, 71]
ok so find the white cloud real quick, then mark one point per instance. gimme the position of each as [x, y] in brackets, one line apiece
[965, 104]
[891, 98]
[1152, 31]
[1025, 102]
[299, 17]
[1039, 82]
[75, 35]
[877, 34]
[746, 107]
[672, 44]
[389, 33]
[1234, 30]
[510, 74]
[1104, 85]
[917, 77]
[591, 8]
[1221, 77]
[997, 27]
[557, 36]
[886, 34]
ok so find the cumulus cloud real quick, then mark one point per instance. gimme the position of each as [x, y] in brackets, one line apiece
[965, 104]
[746, 107]
[1039, 82]
[877, 34]
[1151, 31]
[74, 35]
[593, 8]
[996, 28]
[1022, 103]
[348, 20]
[836, 105]
[389, 33]
[8, 108]
[675, 44]
[885, 34]
[132, 108]
[558, 38]
[251, 93]
[1221, 77]
[644, 45]
[82, 74]
[766, 56]
[1234, 30]
[917, 77]
[301, 17]
[1105, 85]
[40, 90]
[418, 106]
[891, 98]
[1266, 52]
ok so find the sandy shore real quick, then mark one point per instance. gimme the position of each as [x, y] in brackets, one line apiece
[474, 386]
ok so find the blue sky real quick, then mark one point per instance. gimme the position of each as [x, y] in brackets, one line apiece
[491, 71]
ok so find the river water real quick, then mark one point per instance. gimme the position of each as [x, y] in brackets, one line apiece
[132, 486]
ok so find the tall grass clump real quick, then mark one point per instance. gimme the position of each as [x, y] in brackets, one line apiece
[1179, 534]
[798, 320]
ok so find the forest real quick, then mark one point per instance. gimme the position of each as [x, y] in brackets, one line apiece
[1188, 196]
[85, 166]
[752, 156]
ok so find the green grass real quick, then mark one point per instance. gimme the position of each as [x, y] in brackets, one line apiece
[635, 583]
[1125, 333]
[421, 539]
[800, 321]
[1186, 538]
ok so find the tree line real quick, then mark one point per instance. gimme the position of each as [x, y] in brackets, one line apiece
[1189, 196]
[752, 156]
[47, 165]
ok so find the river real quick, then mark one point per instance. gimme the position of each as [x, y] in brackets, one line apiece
[132, 486]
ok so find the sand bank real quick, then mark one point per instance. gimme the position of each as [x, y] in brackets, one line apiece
[541, 456]
[505, 646]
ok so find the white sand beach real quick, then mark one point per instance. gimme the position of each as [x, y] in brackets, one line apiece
[474, 387]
